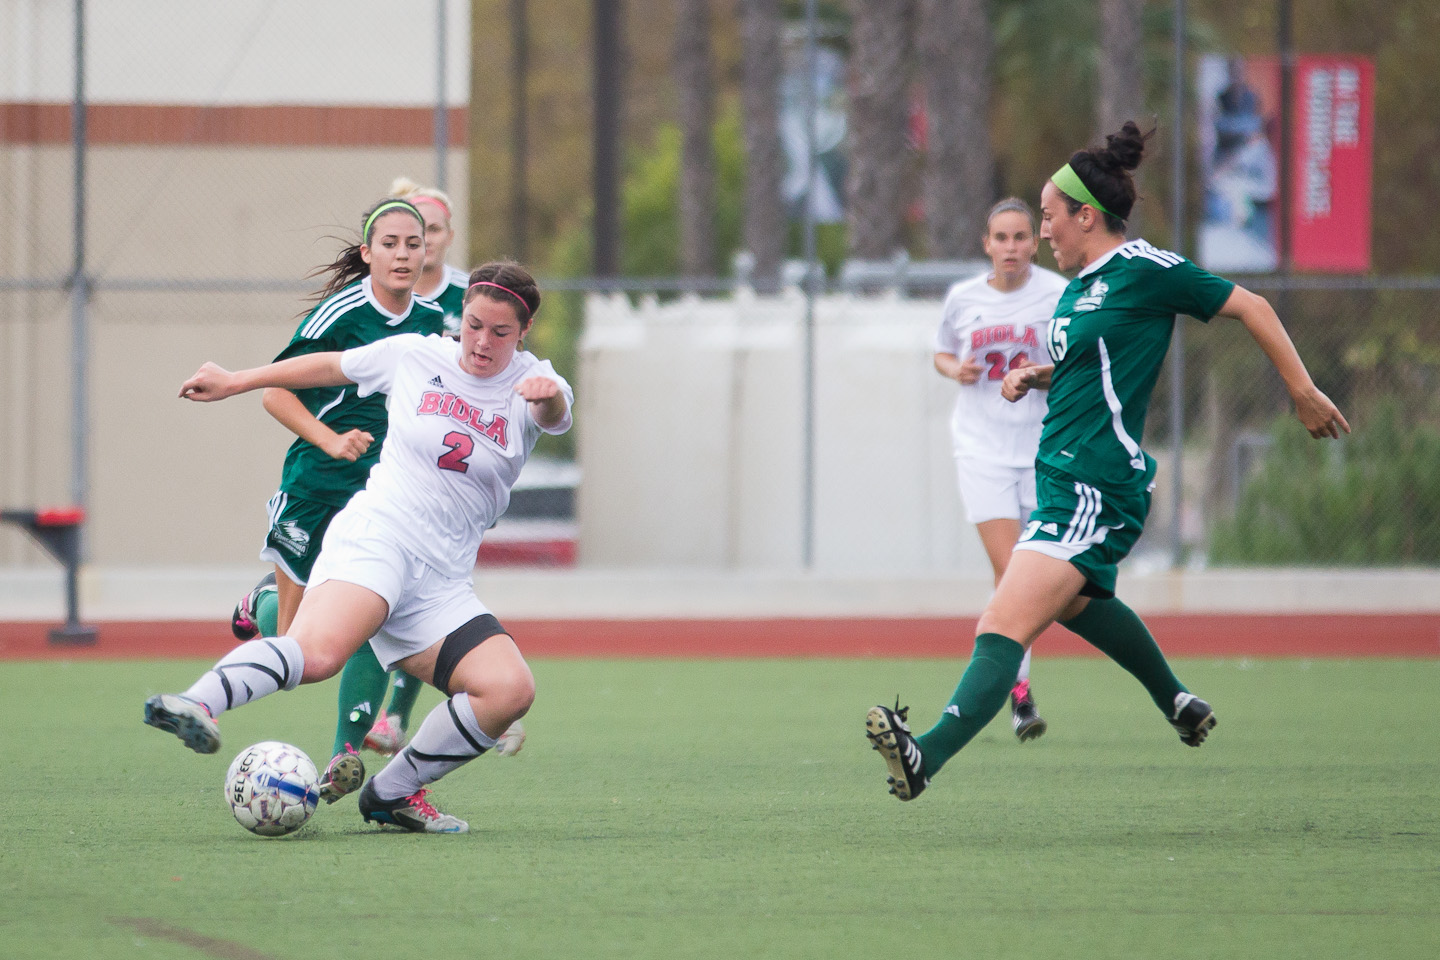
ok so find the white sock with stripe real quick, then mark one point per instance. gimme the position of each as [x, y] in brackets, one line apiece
[255, 669]
[1024, 667]
[449, 738]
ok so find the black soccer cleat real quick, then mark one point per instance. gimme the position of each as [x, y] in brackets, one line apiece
[1193, 719]
[242, 621]
[414, 813]
[1026, 720]
[889, 734]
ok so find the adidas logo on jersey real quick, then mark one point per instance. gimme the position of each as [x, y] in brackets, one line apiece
[1050, 528]
[436, 382]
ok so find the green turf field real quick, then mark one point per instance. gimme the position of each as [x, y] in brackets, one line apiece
[733, 809]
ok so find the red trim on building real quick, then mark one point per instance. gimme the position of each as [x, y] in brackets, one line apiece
[122, 124]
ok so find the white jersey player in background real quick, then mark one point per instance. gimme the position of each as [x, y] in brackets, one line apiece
[396, 561]
[992, 324]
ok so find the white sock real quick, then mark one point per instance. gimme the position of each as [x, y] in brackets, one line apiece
[1024, 673]
[255, 669]
[449, 738]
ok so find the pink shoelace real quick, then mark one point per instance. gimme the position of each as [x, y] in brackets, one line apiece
[423, 807]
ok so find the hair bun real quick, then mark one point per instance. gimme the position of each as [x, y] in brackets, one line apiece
[1123, 150]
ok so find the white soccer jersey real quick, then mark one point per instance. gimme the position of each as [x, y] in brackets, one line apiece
[455, 446]
[1000, 330]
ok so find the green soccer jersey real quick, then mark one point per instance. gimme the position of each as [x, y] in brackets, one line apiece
[451, 298]
[1108, 338]
[350, 318]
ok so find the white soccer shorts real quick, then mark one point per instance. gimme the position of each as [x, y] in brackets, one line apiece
[425, 606]
[991, 492]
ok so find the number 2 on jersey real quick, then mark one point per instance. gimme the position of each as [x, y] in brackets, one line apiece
[999, 365]
[461, 446]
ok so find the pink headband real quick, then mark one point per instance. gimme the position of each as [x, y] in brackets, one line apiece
[435, 200]
[487, 283]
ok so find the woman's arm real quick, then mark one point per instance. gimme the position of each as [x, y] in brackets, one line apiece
[965, 372]
[1321, 417]
[297, 418]
[212, 382]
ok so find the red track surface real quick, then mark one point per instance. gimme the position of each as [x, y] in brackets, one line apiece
[1219, 635]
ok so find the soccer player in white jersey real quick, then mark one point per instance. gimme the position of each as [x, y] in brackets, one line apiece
[395, 567]
[445, 286]
[992, 324]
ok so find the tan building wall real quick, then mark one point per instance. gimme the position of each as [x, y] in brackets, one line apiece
[170, 482]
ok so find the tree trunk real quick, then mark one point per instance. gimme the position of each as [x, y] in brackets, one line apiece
[956, 47]
[764, 214]
[1122, 92]
[879, 118]
[694, 81]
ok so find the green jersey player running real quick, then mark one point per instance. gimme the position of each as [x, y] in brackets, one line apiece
[1108, 339]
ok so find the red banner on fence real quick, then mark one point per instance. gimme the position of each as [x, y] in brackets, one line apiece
[1330, 171]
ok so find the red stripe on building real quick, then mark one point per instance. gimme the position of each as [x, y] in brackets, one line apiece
[121, 124]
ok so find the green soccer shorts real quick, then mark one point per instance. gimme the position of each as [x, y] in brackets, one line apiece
[1079, 524]
[297, 527]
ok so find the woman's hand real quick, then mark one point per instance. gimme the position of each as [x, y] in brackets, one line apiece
[1022, 380]
[969, 372]
[1319, 415]
[350, 445]
[210, 382]
[536, 389]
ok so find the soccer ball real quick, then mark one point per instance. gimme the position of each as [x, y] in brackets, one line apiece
[272, 788]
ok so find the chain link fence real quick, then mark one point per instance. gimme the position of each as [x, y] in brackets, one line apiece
[226, 147]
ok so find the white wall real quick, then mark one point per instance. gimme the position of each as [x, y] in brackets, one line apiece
[245, 51]
[692, 439]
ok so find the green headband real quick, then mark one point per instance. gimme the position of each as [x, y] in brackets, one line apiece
[384, 208]
[1073, 187]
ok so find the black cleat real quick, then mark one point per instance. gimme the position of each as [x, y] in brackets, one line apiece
[242, 621]
[414, 813]
[1028, 723]
[890, 735]
[1193, 719]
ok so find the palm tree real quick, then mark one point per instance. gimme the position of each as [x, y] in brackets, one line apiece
[956, 48]
[696, 86]
[764, 214]
[1119, 71]
[879, 117]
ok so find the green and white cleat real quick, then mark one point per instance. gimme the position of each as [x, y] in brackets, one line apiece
[343, 776]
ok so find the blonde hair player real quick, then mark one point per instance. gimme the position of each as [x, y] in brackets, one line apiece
[439, 282]
[396, 568]
[1093, 481]
[992, 324]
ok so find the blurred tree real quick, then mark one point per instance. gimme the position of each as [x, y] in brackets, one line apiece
[956, 48]
[1121, 94]
[878, 126]
[764, 219]
[696, 89]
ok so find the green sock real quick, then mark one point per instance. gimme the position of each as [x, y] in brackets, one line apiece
[403, 697]
[980, 695]
[362, 690]
[1116, 631]
[267, 612]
